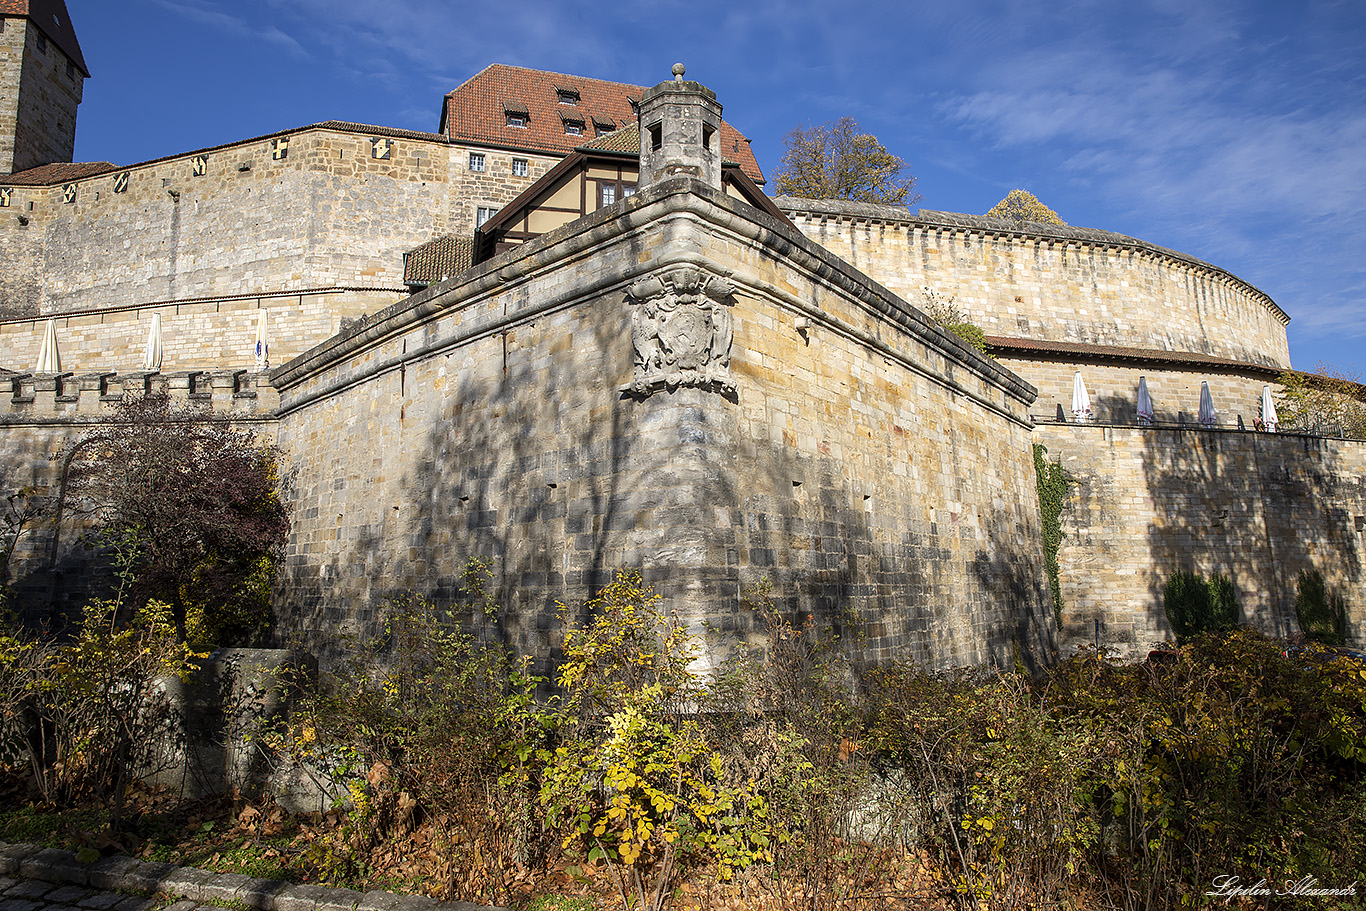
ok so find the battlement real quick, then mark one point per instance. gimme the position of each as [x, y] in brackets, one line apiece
[64, 397]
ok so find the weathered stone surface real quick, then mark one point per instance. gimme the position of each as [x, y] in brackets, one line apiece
[185, 881]
[379, 900]
[859, 468]
[12, 855]
[1064, 284]
[339, 900]
[146, 877]
[109, 872]
[1256, 507]
[223, 887]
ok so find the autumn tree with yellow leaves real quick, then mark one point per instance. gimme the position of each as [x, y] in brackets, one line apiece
[836, 160]
[1021, 205]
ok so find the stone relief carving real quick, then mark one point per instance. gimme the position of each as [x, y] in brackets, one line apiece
[681, 330]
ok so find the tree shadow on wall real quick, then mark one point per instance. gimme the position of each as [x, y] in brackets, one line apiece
[539, 465]
[1256, 508]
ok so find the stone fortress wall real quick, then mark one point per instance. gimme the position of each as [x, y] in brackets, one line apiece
[863, 462]
[1052, 283]
[217, 333]
[1259, 508]
[1175, 391]
[878, 472]
[241, 220]
[42, 420]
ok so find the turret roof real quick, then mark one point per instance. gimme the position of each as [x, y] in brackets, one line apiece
[50, 16]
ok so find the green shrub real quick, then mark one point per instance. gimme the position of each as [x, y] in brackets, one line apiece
[1322, 616]
[1224, 607]
[1195, 606]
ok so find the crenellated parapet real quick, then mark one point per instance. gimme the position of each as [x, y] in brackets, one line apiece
[1054, 283]
[37, 398]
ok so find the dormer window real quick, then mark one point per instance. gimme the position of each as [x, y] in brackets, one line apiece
[603, 127]
[573, 128]
[566, 96]
[516, 114]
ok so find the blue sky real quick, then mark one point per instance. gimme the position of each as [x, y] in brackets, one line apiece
[1235, 132]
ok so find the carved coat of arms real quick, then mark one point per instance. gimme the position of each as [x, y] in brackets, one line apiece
[681, 330]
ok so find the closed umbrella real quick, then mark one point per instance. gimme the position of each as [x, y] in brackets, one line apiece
[49, 360]
[1081, 402]
[1268, 409]
[262, 348]
[151, 358]
[1145, 403]
[1207, 416]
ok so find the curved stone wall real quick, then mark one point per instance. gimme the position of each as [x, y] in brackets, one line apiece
[1060, 284]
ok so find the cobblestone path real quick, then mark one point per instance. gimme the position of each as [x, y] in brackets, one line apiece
[45, 879]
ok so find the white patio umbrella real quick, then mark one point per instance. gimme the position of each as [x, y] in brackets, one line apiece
[151, 358]
[1081, 402]
[262, 347]
[1207, 416]
[49, 360]
[1145, 403]
[1268, 410]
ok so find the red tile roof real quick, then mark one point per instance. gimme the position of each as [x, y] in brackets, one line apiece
[1004, 346]
[438, 260]
[51, 174]
[477, 112]
[50, 16]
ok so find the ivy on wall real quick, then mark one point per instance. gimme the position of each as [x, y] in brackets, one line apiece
[1052, 483]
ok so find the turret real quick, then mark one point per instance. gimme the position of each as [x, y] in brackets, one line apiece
[42, 76]
[680, 132]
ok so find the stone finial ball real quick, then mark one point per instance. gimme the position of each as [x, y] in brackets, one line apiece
[679, 69]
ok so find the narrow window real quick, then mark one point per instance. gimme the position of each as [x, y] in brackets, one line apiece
[41, 43]
[519, 167]
[476, 161]
[656, 137]
[707, 132]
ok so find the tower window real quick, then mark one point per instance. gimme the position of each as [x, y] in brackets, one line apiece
[41, 43]
[656, 137]
[708, 131]
[477, 161]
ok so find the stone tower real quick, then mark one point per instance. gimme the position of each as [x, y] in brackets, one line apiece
[42, 75]
[680, 132]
